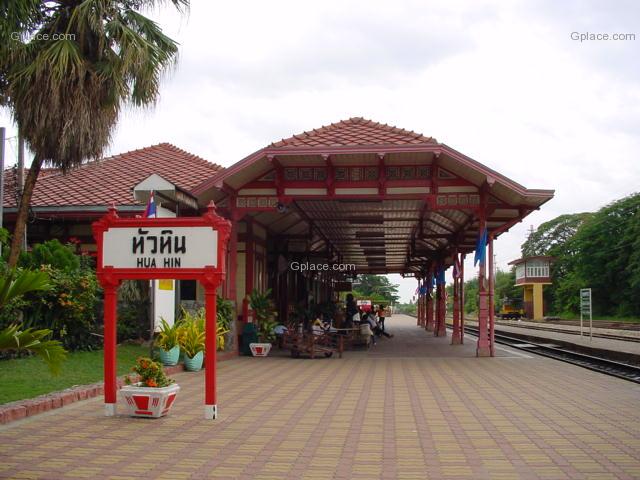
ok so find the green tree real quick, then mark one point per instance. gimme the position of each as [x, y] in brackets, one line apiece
[65, 95]
[505, 288]
[604, 256]
[377, 288]
[598, 250]
[471, 296]
[551, 237]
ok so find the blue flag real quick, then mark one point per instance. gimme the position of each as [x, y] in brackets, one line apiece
[441, 278]
[150, 211]
[481, 248]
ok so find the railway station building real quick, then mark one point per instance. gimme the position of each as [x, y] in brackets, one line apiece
[348, 198]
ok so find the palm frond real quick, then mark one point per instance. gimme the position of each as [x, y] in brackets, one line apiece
[30, 340]
[15, 284]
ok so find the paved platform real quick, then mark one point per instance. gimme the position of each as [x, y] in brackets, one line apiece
[413, 407]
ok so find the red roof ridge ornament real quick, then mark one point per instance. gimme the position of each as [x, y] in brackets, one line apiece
[211, 208]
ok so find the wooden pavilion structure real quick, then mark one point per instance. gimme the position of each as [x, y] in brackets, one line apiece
[383, 199]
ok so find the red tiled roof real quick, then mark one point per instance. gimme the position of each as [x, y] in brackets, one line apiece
[352, 132]
[112, 179]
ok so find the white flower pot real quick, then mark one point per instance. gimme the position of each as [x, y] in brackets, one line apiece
[149, 402]
[260, 349]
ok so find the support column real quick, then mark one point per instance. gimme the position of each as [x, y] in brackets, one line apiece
[110, 335]
[429, 307]
[233, 258]
[461, 286]
[538, 302]
[491, 299]
[210, 358]
[232, 268]
[250, 259]
[456, 335]
[483, 348]
[419, 304]
[441, 307]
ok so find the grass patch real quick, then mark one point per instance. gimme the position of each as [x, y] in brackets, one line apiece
[29, 377]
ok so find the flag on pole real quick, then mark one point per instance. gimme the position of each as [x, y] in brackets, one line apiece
[481, 248]
[441, 278]
[457, 268]
[150, 211]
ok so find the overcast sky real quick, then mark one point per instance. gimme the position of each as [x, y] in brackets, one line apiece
[502, 82]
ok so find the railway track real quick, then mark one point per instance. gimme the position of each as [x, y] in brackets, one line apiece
[597, 364]
[608, 336]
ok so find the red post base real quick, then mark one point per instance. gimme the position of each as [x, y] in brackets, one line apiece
[483, 352]
[210, 359]
[456, 339]
[110, 336]
[483, 348]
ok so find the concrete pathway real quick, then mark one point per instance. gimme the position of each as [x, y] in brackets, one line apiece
[412, 407]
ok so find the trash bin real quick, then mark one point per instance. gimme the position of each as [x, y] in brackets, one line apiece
[249, 335]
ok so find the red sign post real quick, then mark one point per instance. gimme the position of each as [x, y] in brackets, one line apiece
[184, 248]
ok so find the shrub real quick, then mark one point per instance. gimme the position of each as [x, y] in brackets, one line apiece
[69, 307]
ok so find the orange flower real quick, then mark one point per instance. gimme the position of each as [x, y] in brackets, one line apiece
[151, 383]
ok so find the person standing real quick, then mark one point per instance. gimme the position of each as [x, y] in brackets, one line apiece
[381, 316]
[351, 309]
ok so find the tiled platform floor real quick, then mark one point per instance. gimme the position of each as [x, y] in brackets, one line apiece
[412, 408]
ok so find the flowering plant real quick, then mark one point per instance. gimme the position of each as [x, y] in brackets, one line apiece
[150, 374]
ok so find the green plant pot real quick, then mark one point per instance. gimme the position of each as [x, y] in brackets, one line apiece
[170, 357]
[194, 364]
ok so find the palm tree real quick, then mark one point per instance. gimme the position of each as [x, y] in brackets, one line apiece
[13, 285]
[67, 72]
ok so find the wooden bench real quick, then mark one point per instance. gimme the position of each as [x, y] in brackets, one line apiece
[311, 344]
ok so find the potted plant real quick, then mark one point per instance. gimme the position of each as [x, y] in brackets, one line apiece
[168, 341]
[192, 344]
[225, 314]
[153, 394]
[264, 313]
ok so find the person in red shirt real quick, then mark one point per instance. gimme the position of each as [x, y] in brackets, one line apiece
[381, 313]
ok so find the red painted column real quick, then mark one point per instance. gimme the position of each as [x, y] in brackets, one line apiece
[483, 348]
[429, 306]
[233, 257]
[455, 336]
[210, 359]
[461, 286]
[441, 330]
[491, 298]
[250, 259]
[232, 269]
[110, 322]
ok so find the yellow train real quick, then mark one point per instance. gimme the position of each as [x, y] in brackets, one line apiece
[511, 309]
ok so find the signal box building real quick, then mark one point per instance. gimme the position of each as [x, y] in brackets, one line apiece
[532, 273]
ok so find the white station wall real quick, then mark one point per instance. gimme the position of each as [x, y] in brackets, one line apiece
[164, 291]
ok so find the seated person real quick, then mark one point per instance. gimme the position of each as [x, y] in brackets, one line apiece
[375, 327]
[280, 330]
[319, 327]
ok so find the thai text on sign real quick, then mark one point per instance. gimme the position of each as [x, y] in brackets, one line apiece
[160, 247]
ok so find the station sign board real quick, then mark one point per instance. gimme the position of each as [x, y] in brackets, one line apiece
[586, 310]
[585, 301]
[160, 247]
